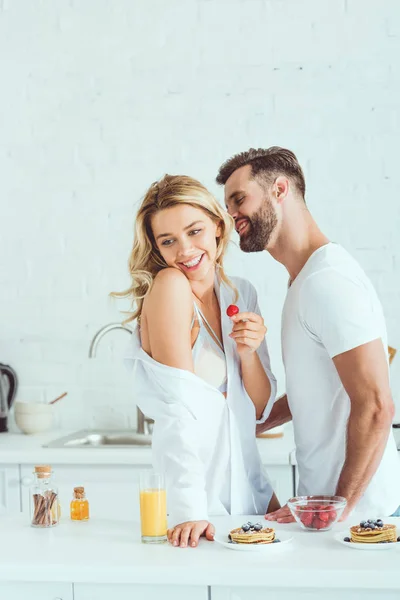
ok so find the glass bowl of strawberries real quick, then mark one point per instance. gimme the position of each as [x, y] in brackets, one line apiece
[317, 513]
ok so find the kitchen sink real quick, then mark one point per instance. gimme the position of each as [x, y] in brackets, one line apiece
[101, 438]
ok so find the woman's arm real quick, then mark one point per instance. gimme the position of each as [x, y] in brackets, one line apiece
[279, 415]
[169, 310]
[249, 332]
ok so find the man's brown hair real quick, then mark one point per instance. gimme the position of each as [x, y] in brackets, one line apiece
[266, 164]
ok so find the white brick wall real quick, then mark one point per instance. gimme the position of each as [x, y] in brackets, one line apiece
[99, 98]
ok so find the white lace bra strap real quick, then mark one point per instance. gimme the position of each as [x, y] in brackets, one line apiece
[209, 328]
[196, 316]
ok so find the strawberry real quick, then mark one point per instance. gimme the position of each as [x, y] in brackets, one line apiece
[306, 518]
[325, 516]
[232, 310]
[332, 514]
[318, 524]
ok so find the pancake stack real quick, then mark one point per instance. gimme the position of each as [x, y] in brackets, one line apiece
[252, 534]
[373, 532]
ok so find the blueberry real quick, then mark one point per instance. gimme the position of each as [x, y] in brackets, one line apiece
[276, 541]
[229, 536]
[398, 539]
[363, 524]
[379, 523]
[372, 525]
[246, 527]
[346, 539]
[258, 527]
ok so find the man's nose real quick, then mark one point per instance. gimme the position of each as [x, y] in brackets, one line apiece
[231, 211]
[234, 213]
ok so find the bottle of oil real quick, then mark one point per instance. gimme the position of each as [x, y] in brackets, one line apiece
[79, 507]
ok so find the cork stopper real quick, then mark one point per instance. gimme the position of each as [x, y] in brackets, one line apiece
[43, 471]
[79, 492]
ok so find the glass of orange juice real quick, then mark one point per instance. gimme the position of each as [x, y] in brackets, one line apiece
[153, 507]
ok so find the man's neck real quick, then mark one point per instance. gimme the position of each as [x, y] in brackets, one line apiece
[298, 239]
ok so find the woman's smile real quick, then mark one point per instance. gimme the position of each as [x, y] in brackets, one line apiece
[192, 264]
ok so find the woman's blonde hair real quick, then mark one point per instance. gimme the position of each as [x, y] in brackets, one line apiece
[145, 260]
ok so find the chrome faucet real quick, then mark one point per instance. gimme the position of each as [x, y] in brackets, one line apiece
[144, 424]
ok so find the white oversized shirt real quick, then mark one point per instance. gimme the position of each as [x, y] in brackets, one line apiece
[331, 307]
[205, 443]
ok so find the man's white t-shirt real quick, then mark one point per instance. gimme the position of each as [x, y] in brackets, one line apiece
[330, 308]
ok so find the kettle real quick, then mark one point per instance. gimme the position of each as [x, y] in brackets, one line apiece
[8, 389]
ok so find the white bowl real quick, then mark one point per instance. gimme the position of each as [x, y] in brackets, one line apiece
[32, 408]
[34, 422]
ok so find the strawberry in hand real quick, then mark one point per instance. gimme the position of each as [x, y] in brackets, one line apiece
[232, 310]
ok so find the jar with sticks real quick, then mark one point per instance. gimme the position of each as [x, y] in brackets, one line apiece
[44, 505]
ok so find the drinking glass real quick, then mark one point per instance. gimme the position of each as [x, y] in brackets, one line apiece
[153, 507]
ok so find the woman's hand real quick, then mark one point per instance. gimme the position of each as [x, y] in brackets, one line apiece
[248, 332]
[187, 534]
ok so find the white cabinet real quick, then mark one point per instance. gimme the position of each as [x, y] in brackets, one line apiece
[10, 499]
[83, 591]
[110, 489]
[262, 593]
[281, 478]
[36, 591]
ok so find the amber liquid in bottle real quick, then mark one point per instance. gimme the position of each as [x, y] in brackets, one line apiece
[79, 507]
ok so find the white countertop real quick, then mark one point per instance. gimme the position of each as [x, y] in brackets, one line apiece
[109, 551]
[17, 448]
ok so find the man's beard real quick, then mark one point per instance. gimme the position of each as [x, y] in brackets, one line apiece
[261, 226]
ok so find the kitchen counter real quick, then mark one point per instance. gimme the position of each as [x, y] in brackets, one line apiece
[109, 551]
[17, 448]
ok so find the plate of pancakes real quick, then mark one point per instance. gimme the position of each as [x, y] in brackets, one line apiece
[252, 537]
[372, 534]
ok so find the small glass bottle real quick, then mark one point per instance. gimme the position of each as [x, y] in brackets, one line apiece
[44, 506]
[79, 505]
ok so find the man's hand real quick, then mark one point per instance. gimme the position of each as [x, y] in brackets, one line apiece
[282, 515]
[188, 533]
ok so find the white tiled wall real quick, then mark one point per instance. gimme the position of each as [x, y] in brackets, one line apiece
[100, 98]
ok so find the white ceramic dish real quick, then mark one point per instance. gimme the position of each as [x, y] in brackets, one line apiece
[33, 408]
[222, 538]
[339, 537]
[33, 418]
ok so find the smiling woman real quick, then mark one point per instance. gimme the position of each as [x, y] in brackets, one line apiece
[203, 377]
[156, 231]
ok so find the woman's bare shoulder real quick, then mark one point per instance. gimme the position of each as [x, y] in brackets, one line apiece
[171, 288]
[167, 315]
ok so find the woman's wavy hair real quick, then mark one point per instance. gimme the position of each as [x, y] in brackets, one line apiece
[145, 260]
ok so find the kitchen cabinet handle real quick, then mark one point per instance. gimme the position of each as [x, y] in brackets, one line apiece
[28, 481]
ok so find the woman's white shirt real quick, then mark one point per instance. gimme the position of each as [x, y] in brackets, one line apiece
[203, 442]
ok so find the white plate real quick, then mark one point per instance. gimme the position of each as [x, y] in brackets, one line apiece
[224, 541]
[339, 537]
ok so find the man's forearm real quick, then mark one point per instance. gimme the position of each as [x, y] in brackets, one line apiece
[367, 434]
[279, 415]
